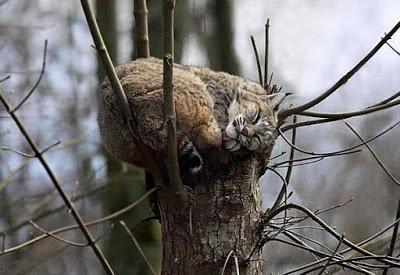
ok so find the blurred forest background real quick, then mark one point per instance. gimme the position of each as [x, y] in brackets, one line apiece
[313, 43]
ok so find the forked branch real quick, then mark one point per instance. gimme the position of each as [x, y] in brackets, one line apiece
[299, 109]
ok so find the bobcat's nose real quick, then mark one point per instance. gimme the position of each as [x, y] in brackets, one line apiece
[248, 131]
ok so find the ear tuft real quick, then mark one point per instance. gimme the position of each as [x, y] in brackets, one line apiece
[237, 94]
[274, 100]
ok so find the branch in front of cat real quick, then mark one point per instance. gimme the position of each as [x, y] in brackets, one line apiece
[142, 33]
[117, 88]
[106, 61]
[57, 184]
[299, 109]
[169, 104]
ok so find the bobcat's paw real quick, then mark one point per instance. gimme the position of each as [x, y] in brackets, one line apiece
[190, 159]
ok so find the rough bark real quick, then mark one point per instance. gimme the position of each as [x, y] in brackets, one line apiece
[223, 216]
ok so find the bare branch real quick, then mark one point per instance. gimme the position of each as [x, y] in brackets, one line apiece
[289, 170]
[396, 51]
[330, 258]
[117, 87]
[169, 104]
[135, 242]
[351, 114]
[51, 146]
[58, 186]
[5, 78]
[22, 154]
[72, 227]
[226, 262]
[308, 123]
[319, 253]
[266, 56]
[107, 63]
[55, 236]
[394, 236]
[386, 100]
[313, 159]
[297, 110]
[329, 229]
[253, 42]
[37, 81]
[142, 33]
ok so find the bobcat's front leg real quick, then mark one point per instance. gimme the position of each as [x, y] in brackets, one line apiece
[207, 136]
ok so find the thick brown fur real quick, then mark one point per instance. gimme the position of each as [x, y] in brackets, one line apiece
[201, 99]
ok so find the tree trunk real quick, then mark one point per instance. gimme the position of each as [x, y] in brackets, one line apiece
[224, 215]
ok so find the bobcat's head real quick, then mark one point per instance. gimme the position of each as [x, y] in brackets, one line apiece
[252, 120]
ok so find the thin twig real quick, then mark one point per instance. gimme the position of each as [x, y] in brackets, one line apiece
[289, 170]
[324, 154]
[394, 236]
[5, 78]
[58, 186]
[396, 51]
[253, 42]
[55, 236]
[266, 56]
[226, 262]
[142, 33]
[135, 242]
[371, 139]
[22, 154]
[350, 114]
[169, 104]
[315, 158]
[333, 254]
[380, 163]
[386, 100]
[106, 60]
[321, 254]
[37, 81]
[296, 110]
[51, 146]
[118, 89]
[236, 264]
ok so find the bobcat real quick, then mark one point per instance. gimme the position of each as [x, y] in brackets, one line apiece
[214, 110]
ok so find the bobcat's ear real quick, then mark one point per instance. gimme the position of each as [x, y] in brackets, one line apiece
[237, 95]
[274, 100]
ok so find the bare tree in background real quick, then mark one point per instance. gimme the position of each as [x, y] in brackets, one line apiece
[222, 228]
